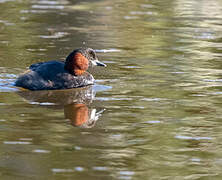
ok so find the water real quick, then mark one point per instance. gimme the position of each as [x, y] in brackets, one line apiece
[155, 111]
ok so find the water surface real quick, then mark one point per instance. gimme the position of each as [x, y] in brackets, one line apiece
[155, 111]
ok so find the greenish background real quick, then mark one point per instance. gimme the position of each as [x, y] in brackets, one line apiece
[161, 90]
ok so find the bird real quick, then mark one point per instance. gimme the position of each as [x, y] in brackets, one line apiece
[55, 74]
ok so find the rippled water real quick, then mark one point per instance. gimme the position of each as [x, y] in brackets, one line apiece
[155, 111]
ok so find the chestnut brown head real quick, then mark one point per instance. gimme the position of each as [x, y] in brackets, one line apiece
[79, 60]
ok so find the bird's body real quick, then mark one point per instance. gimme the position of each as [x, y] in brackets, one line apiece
[54, 75]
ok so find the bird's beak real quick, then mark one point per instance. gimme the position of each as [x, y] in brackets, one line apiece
[98, 63]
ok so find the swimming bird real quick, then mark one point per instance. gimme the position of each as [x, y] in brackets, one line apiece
[52, 75]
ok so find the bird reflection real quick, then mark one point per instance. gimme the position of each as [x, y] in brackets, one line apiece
[76, 104]
[81, 116]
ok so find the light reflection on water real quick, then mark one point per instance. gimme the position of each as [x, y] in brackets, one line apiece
[156, 106]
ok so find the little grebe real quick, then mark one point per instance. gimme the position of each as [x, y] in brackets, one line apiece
[67, 74]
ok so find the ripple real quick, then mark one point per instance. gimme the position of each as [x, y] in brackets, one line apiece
[108, 8]
[77, 148]
[178, 72]
[47, 7]
[215, 93]
[152, 122]
[126, 174]
[7, 82]
[212, 80]
[3, 1]
[6, 23]
[143, 13]
[147, 6]
[98, 88]
[205, 36]
[113, 99]
[42, 104]
[16, 142]
[6, 75]
[55, 35]
[192, 138]
[198, 95]
[107, 50]
[153, 99]
[8, 89]
[57, 170]
[136, 107]
[33, 11]
[60, 170]
[99, 168]
[195, 160]
[34, 50]
[4, 42]
[130, 17]
[132, 67]
[51, 2]
[78, 168]
[124, 177]
[41, 151]
[129, 173]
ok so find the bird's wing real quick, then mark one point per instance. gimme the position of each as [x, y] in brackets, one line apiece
[33, 67]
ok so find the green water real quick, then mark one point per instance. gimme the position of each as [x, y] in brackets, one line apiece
[155, 111]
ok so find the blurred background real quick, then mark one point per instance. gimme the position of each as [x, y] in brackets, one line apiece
[154, 112]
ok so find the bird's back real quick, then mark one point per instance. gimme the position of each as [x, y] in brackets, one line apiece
[52, 75]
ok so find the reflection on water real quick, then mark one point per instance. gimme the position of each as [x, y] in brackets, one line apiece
[163, 112]
[7, 79]
[75, 103]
